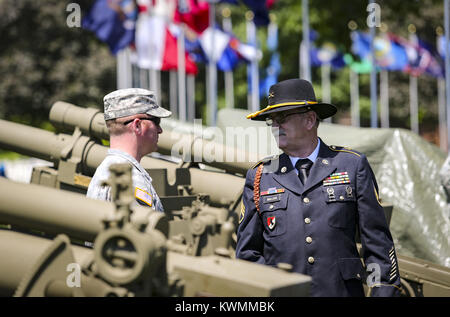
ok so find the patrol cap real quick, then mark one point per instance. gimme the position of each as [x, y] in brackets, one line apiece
[131, 101]
[291, 94]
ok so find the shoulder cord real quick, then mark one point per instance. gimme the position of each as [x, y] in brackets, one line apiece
[256, 186]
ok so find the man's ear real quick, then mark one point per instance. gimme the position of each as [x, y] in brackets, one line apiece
[311, 120]
[136, 127]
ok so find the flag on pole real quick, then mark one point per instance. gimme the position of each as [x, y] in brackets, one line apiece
[229, 51]
[193, 13]
[422, 58]
[113, 22]
[326, 54]
[389, 54]
[156, 45]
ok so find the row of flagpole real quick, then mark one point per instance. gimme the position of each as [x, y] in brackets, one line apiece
[182, 86]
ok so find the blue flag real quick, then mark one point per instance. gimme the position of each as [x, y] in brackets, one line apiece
[229, 58]
[435, 66]
[389, 54]
[422, 58]
[113, 21]
[327, 54]
[361, 44]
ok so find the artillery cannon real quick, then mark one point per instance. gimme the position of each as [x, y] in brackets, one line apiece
[131, 254]
[184, 190]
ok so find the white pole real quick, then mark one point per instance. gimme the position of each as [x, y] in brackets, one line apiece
[413, 95]
[441, 102]
[212, 69]
[325, 71]
[143, 78]
[354, 98]
[181, 76]
[158, 86]
[373, 79]
[414, 106]
[173, 93]
[384, 99]
[229, 83]
[119, 68]
[253, 68]
[191, 97]
[306, 45]
[124, 69]
[441, 111]
[152, 79]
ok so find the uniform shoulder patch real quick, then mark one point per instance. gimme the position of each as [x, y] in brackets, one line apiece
[343, 149]
[265, 160]
[143, 196]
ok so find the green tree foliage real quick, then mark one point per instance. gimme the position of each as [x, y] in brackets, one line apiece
[42, 60]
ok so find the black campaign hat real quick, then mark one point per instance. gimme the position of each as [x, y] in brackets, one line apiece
[291, 94]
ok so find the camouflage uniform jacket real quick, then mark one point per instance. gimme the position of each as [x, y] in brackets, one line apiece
[144, 192]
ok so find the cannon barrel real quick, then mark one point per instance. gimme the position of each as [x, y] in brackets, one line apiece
[192, 142]
[54, 211]
[129, 256]
[20, 252]
[30, 268]
[56, 147]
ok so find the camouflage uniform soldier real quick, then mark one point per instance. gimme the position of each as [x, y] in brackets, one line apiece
[132, 117]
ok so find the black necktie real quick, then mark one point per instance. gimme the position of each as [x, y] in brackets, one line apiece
[303, 167]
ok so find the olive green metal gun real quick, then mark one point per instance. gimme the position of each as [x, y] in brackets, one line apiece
[131, 255]
[200, 217]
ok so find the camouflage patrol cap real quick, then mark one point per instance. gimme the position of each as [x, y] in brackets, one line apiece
[131, 101]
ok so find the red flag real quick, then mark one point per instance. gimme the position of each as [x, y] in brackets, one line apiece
[156, 46]
[170, 60]
[195, 14]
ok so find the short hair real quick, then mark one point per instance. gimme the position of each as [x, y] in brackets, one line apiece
[115, 128]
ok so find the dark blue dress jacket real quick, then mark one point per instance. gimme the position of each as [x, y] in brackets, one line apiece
[313, 226]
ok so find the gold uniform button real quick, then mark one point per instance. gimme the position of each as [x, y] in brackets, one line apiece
[271, 207]
[341, 197]
[310, 260]
[308, 239]
[307, 220]
[306, 200]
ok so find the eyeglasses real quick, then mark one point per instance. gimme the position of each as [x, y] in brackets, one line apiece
[281, 118]
[155, 120]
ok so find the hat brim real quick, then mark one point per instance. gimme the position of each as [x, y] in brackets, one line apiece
[159, 112]
[323, 110]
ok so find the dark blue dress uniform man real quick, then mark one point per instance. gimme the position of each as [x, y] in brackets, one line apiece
[304, 206]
